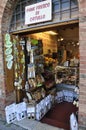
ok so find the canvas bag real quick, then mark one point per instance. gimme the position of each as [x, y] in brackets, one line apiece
[73, 122]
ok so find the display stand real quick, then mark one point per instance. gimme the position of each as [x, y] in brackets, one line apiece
[36, 87]
[66, 83]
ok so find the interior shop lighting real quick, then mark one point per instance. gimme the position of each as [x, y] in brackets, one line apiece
[78, 43]
[72, 42]
[60, 39]
[51, 32]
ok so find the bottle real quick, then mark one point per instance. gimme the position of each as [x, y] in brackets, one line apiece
[26, 86]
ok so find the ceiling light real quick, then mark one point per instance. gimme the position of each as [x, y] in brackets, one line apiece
[78, 43]
[72, 42]
[62, 39]
[59, 40]
[51, 32]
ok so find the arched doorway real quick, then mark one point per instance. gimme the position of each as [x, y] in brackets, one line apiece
[7, 95]
[82, 4]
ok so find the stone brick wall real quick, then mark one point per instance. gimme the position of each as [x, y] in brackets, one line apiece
[2, 80]
[82, 40]
[6, 9]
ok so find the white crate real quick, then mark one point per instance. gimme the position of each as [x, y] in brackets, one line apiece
[31, 111]
[10, 113]
[21, 111]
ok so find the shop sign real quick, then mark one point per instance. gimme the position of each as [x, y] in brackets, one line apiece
[39, 12]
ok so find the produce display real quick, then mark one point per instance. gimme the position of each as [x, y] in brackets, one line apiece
[49, 60]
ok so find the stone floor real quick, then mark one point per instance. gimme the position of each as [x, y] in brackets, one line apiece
[30, 124]
[26, 124]
[5, 126]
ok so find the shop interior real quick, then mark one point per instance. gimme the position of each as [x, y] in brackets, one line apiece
[51, 72]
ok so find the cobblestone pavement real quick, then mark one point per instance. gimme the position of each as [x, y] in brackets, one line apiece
[26, 125]
[35, 125]
[5, 126]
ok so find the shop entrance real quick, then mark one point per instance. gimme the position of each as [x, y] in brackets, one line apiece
[51, 68]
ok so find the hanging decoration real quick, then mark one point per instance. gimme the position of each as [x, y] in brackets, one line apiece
[8, 51]
[19, 63]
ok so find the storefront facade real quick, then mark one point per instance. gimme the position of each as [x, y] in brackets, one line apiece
[7, 93]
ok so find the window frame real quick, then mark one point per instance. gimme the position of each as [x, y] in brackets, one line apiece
[55, 12]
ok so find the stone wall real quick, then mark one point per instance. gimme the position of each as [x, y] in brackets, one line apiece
[2, 78]
[6, 9]
[82, 40]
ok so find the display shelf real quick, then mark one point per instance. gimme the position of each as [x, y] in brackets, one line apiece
[36, 88]
[42, 95]
[37, 93]
[67, 84]
[66, 75]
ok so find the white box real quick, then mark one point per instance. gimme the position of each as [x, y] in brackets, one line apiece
[10, 113]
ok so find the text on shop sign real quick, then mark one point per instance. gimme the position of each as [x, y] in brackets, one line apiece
[39, 12]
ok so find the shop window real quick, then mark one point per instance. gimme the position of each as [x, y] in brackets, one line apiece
[23, 6]
[23, 15]
[13, 19]
[74, 13]
[64, 0]
[65, 15]
[57, 16]
[17, 9]
[61, 10]
[22, 0]
[74, 3]
[65, 5]
[56, 7]
[13, 27]
[18, 17]
[18, 25]
[39, 0]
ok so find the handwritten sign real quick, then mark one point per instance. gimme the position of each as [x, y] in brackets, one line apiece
[39, 12]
